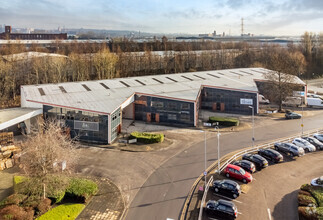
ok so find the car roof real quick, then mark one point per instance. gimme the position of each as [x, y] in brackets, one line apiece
[230, 182]
[225, 202]
[246, 161]
[233, 166]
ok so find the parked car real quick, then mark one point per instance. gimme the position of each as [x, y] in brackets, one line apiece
[258, 160]
[318, 137]
[271, 154]
[237, 173]
[289, 149]
[315, 142]
[292, 115]
[317, 181]
[227, 187]
[246, 165]
[221, 208]
[304, 144]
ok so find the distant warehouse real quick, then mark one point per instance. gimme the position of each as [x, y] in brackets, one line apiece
[8, 35]
[93, 110]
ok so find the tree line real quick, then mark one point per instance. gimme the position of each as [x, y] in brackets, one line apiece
[95, 61]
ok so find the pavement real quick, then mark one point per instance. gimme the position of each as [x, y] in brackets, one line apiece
[163, 194]
[106, 204]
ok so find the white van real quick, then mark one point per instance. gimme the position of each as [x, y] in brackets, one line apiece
[292, 101]
[263, 100]
[314, 102]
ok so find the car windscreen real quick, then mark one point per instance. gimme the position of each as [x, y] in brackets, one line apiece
[242, 171]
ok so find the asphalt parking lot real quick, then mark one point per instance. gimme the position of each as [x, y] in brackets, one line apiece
[273, 193]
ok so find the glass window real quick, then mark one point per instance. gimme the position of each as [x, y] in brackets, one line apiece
[157, 104]
[185, 106]
[172, 117]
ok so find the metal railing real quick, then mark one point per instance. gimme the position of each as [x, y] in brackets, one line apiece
[204, 196]
[233, 158]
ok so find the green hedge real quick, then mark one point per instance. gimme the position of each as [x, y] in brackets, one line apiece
[147, 138]
[63, 212]
[81, 189]
[316, 192]
[224, 121]
[17, 180]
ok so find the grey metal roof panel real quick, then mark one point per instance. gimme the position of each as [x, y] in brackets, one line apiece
[101, 99]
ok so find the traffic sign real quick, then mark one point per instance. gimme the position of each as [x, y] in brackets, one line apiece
[205, 173]
[302, 125]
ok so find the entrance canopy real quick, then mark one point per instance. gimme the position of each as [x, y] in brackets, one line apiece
[13, 116]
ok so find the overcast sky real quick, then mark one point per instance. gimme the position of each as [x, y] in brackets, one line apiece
[272, 17]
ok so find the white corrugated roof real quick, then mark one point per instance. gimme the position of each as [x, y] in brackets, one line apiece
[107, 98]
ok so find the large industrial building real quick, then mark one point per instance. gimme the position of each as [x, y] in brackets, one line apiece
[8, 35]
[93, 110]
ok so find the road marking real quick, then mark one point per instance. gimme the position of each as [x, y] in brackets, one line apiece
[239, 213]
[227, 198]
[269, 214]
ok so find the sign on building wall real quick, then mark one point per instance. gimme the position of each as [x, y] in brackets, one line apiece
[86, 125]
[299, 93]
[246, 102]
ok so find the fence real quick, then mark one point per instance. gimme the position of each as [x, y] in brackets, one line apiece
[233, 158]
[204, 197]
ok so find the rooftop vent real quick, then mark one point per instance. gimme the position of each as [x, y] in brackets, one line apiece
[213, 75]
[220, 73]
[185, 77]
[158, 80]
[171, 79]
[236, 73]
[140, 82]
[257, 71]
[62, 89]
[124, 83]
[199, 77]
[246, 72]
[105, 86]
[41, 91]
[86, 87]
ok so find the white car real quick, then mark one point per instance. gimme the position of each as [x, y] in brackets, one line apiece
[318, 137]
[317, 181]
[307, 146]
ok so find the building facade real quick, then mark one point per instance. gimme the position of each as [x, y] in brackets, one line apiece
[8, 35]
[93, 110]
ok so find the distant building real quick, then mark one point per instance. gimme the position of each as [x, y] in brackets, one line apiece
[205, 35]
[8, 35]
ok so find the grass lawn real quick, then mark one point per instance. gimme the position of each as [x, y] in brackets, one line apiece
[66, 211]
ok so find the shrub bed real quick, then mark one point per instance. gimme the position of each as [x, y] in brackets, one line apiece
[310, 200]
[81, 189]
[224, 121]
[147, 138]
[63, 212]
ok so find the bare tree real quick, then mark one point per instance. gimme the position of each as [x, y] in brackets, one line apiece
[49, 151]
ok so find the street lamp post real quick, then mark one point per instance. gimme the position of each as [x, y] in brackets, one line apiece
[302, 125]
[205, 173]
[253, 125]
[218, 135]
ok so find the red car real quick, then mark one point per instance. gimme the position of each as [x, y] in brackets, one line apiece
[237, 173]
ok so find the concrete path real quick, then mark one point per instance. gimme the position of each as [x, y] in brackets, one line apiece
[107, 204]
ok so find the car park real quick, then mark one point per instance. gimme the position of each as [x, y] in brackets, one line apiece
[292, 115]
[221, 208]
[237, 173]
[227, 187]
[318, 137]
[289, 149]
[258, 160]
[271, 154]
[304, 144]
[315, 142]
[246, 165]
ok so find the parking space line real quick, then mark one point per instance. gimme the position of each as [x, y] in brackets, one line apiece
[227, 198]
[240, 213]
[269, 214]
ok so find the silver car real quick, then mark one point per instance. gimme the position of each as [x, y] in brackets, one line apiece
[289, 149]
[318, 137]
[307, 146]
